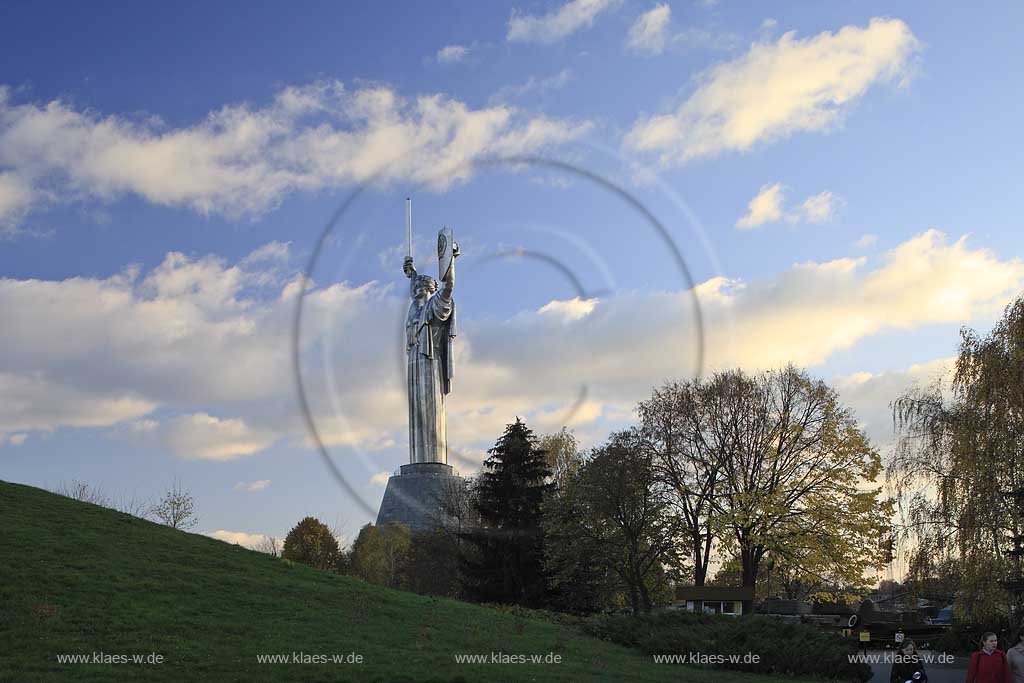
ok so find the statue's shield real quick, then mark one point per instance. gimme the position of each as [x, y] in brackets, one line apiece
[445, 244]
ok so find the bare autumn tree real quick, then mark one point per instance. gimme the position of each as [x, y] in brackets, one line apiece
[80, 490]
[133, 505]
[269, 545]
[177, 508]
[456, 511]
[673, 422]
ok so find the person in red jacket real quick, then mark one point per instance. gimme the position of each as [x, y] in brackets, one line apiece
[988, 665]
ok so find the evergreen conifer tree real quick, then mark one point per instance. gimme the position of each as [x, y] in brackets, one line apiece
[507, 565]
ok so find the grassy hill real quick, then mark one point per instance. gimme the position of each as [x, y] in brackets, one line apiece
[77, 579]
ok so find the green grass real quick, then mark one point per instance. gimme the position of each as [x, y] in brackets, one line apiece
[80, 579]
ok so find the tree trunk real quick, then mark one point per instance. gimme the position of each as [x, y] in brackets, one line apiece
[751, 560]
[634, 598]
[700, 565]
[645, 597]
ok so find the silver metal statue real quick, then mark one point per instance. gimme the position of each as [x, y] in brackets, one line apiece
[429, 330]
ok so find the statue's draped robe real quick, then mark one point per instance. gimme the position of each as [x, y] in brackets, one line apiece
[429, 330]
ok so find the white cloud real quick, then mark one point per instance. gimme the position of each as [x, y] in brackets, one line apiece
[571, 309]
[532, 86]
[16, 197]
[766, 207]
[769, 207]
[191, 338]
[258, 485]
[241, 538]
[778, 89]
[32, 401]
[820, 208]
[817, 309]
[241, 160]
[269, 252]
[866, 240]
[649, 33]
[552, 27]
[451, 54]
[208, 342]
[707, 38]
[381, 478]
[210, 438]
[870, 395]
[804, 315]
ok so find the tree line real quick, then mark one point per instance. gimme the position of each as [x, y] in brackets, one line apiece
[755, 473]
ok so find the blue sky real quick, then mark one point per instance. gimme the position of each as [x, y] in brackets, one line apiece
[839, 178]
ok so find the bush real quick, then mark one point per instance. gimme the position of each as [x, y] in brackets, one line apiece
[549, 616]
[963, 639]
[312, 543]
[783, 648]
[379, 554]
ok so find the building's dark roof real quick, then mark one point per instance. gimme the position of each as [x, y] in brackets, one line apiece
[713, 593]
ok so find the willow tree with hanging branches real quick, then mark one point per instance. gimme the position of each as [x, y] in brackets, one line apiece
[958, 470]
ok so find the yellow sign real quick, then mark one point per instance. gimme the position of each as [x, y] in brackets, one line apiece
[865, 636]
[847, 632]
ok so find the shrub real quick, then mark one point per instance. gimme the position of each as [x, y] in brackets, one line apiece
[379, 553]
[549, 616]
[783, 648]
[963, 639]
[310, 542]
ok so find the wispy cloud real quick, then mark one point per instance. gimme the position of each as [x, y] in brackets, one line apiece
[552, 27]
[866, 240]
[532, 86]
[452, 54]
[649, 33]
[258, 485]
[819, 208]
[769, 207]
[769, 93]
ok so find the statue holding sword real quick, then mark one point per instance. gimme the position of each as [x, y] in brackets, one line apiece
[429, 331]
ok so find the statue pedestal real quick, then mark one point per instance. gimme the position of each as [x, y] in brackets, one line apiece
[413, 496]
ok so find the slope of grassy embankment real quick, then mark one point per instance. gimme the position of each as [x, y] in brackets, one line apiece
[77, 579]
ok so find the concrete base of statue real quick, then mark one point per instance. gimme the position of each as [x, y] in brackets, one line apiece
[413, 496]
